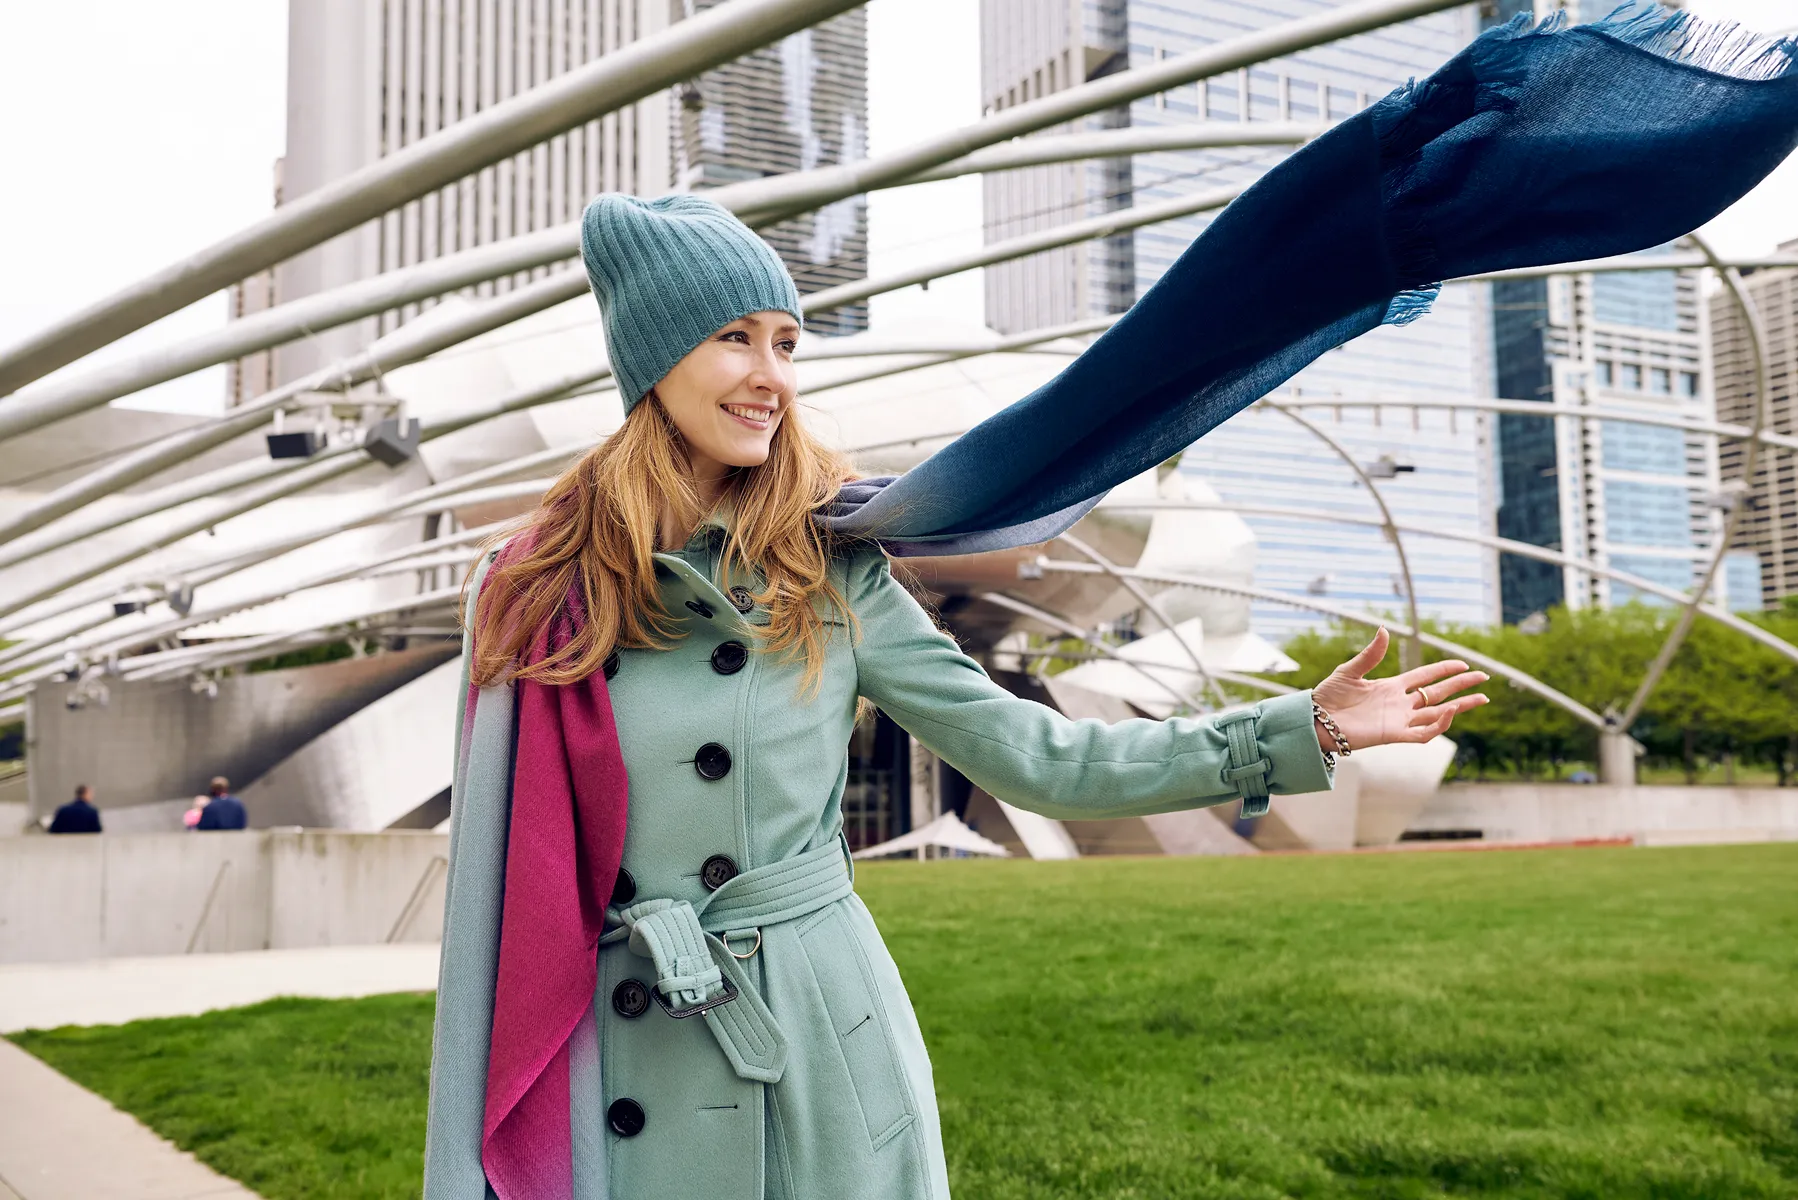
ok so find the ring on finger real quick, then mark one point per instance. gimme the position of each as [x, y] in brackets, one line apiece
[1425, 693]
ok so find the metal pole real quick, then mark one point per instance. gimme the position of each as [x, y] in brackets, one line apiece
[408, 344]
[1091, 228]
[1634, 262]
[1486, 662]
[1155, 607]
[765, 201]
[1723, 617]
[604, 85]
[1757, 343]
[436, 277]
[772, 199]
[1614, 412]
[1067, 627]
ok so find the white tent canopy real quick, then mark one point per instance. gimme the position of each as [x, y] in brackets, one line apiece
[946, 832]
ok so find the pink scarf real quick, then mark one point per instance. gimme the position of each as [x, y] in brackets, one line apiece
[569, 805]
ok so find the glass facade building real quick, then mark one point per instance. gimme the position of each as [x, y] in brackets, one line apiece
[1632, 497]
[1437, 465]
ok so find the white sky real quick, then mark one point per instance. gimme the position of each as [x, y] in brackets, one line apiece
[139, 132]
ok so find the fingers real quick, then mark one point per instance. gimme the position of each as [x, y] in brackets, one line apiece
[1369, 656]
[1430, 722]
[1434, 694]
[1429, 673]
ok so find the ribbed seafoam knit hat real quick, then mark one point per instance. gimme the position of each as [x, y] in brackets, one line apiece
[669, 273]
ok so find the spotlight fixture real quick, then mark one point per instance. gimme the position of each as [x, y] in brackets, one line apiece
[393, 441]
[296, 443]
[1386, 467]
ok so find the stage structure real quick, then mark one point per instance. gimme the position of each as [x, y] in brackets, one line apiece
[145, 563]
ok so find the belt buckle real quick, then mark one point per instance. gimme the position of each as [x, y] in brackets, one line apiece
[725, 997]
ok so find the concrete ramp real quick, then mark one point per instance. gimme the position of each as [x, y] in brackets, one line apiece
[370, 769]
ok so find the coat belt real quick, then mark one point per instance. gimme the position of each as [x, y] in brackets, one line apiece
[696, 972]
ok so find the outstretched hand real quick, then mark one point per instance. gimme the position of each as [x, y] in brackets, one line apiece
[1411, 707]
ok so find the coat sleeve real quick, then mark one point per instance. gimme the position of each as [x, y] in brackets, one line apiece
[1030, 755]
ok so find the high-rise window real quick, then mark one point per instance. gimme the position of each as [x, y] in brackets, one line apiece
[1647, 514]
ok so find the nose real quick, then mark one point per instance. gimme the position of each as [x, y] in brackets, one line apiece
[770, 374]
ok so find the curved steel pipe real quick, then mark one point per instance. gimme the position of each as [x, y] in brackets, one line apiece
[604, 85]
[1142, 597]
[1410, 654]
[1757, 345]
[758, 202]
[1723, 617]
[1492, 665]
[1067, 627]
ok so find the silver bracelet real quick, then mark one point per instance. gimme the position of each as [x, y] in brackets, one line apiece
[1323, 718]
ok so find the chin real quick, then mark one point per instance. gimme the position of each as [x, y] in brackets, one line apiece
[744, 456]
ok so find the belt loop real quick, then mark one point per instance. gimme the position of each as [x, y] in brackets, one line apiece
[1249, 768]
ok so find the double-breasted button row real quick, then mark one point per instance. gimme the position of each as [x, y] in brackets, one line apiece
[626, 1117]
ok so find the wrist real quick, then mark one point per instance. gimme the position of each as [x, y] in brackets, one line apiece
[1329, 735]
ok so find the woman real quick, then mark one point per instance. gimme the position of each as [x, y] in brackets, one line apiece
[657, 981]
[744, 1032]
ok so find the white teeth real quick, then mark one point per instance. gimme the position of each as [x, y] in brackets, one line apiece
[759, 416]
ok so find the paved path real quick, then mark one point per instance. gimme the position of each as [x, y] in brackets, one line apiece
[109, 991]
[59, 1141]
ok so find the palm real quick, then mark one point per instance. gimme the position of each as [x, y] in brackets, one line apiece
[1413, 706]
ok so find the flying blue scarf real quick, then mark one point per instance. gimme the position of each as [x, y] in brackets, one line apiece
[1534, 145]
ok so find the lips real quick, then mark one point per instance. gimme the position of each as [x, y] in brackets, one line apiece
[750, 415]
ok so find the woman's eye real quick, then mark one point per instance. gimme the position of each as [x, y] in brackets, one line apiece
[788, 345]
[735, 335]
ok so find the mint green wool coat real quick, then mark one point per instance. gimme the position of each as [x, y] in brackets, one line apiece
[851, 1110]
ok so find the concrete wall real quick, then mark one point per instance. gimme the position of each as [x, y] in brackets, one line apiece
[371, 768]
[1566, 812]
[155, 741]
[72, 898]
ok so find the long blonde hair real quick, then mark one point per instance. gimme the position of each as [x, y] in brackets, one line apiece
[595, 531]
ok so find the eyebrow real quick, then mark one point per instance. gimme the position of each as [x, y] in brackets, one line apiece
[783, 327]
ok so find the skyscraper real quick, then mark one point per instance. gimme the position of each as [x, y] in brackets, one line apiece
[1436, 465]
[1764, 554]
[797, 104]
[367, 78]
[1638, 498]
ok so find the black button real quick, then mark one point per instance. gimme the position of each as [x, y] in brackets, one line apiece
[611, 667]
[625, 889]
[740, 597]
[630, 999]
[626, 1117]
[712, 761]
[717, 871]
[729, 658]
[701, 607]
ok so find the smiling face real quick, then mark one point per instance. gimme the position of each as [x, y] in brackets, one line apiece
[730, 393]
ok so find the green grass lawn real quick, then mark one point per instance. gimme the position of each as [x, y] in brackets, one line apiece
[1582, 1023]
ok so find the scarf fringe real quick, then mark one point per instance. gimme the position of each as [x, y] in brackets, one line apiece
[1407, 306]
[1407, 118]
[1720, 47]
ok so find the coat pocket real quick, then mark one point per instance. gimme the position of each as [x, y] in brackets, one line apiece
[859, 1020]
